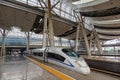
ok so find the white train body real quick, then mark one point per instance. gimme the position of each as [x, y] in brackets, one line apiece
[63, 57]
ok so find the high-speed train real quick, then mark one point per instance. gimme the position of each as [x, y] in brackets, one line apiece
[67, 58]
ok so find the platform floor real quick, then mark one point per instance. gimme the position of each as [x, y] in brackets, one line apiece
[18, 68]
[94, 75]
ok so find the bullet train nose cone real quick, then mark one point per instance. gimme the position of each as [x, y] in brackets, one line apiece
[83, 70]
[86, 70]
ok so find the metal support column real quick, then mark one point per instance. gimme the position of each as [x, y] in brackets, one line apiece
[91, 37]
[94, 47]
[85, 37]
[98, 42]
[45, 31]
[3, 51]
[50, 24]
[3, 43]
[28, 41]
[77, 36]
[70, 43]
[60, 41]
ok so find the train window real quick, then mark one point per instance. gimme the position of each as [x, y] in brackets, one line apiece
[40, 54]
[56, 56]
[70, 52]
[37, 53]
[34, 53]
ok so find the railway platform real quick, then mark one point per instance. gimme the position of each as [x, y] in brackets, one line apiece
[20, 68]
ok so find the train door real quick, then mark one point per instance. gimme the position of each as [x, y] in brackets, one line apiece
[45, 55]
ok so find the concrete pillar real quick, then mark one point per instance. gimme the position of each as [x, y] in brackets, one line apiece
[77, 36]
[50, 24]
[45, 31]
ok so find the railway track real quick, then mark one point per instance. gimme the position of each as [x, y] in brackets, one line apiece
[107, 72]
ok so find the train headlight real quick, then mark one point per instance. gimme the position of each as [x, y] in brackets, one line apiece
[77, 63]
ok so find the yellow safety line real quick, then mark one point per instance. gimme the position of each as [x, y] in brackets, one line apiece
[51, 70]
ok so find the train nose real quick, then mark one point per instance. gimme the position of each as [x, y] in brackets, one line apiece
[86, 71]
[83, 70]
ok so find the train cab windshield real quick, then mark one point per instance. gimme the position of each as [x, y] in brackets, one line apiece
[70, 52]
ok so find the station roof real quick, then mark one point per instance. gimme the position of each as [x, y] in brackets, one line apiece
[104, 15]
[28, 18]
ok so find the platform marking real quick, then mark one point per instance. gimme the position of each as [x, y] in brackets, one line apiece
[58, 74]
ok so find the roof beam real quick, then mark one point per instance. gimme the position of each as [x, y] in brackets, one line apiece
[20, 6]
[28, 8]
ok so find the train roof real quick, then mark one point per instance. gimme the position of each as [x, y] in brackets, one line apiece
[42, 49]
